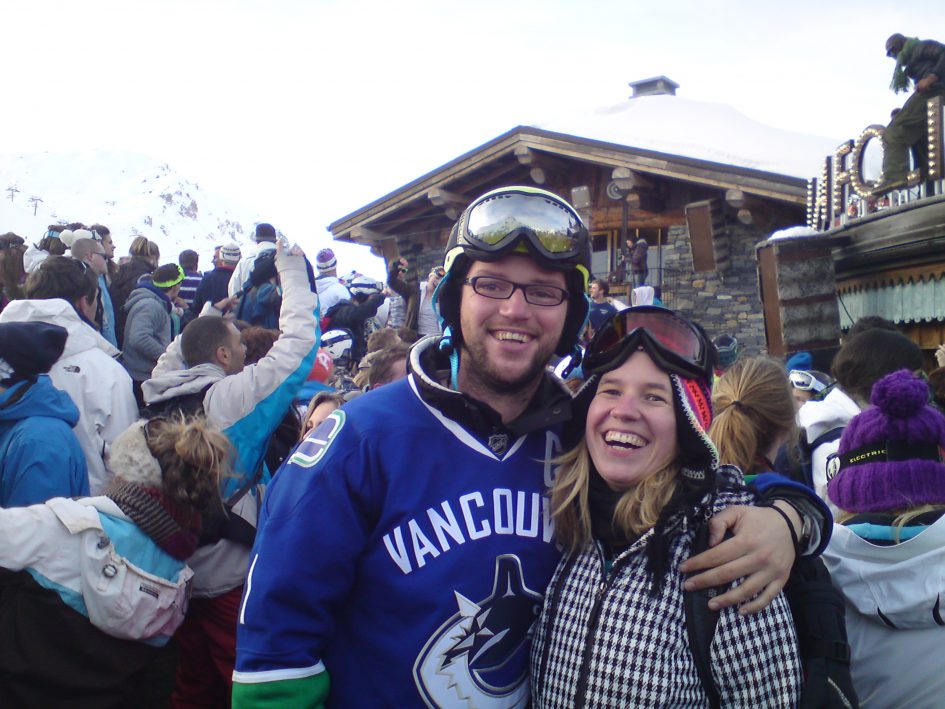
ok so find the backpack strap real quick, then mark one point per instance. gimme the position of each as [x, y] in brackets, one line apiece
[701, 622]
[819, 613]
[186, 404]
[223, 523]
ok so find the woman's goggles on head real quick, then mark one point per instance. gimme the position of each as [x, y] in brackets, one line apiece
[554, 229]
[805, 381]
[674, 343]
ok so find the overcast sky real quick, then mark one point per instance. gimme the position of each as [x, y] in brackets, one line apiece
[307, 110]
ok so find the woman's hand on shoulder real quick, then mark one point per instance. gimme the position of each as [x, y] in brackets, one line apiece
[761, 551]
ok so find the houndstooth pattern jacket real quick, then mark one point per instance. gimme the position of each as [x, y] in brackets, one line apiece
[633, 649]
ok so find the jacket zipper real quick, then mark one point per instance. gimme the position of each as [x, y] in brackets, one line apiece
[592, 623]
[552, 615]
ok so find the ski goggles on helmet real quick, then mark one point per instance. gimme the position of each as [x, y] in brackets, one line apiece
[674, 343]
[805, 381]
[498, 220]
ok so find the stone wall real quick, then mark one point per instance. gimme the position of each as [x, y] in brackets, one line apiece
[799, 285]
[423, 257]
[721, 301]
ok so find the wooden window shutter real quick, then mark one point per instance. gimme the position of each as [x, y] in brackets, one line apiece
[706, 235]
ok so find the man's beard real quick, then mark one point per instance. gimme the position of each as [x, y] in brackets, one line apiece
[480, 370]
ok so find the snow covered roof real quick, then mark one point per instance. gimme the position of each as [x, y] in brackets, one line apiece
[706, 131]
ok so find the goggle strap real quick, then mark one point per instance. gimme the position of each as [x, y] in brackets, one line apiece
[576, 358]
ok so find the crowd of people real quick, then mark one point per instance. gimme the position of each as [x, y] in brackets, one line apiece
[268, 485]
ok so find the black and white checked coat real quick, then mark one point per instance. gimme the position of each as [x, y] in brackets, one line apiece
[632, 650]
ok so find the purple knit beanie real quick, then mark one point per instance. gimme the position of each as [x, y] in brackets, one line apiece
[890, 456]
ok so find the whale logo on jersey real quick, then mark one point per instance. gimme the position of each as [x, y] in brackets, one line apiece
[470, 657]
[316, 443]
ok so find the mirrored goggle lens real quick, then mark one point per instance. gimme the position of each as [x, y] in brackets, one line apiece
[666, 329]
[805, 381]
[556, 228]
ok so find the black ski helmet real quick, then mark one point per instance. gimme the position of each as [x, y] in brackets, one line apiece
[561, 243]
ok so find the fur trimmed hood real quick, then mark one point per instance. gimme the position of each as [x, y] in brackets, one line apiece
[131, 460]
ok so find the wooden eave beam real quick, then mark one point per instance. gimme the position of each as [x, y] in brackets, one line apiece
[630, 180]
[440, 197]
[608, 157]
[364, 235]
[541, 166]
[739, 199]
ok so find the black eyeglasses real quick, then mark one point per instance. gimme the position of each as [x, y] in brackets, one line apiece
[501, 289]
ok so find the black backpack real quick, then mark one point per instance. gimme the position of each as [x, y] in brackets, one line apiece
[820, 623]
[216, 521]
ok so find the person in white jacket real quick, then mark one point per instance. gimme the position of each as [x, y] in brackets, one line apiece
[887, 552]
[62, 293]
[330, 289]
[94, 588]
[265, 238]
[858, 365]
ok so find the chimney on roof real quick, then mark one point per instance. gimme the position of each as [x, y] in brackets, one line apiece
[657, 86]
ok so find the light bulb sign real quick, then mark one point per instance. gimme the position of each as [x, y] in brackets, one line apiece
[842, 190]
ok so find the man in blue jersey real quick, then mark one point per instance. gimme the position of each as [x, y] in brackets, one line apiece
[405, 547]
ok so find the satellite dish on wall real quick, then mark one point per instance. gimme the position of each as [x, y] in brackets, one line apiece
[615, 191]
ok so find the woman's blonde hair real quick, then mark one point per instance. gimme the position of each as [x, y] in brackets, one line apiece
[323, 397]
[637, 510]
[193, 457]
[753, 407]
[144, 248]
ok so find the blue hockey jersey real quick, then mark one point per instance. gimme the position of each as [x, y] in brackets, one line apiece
[400, 556]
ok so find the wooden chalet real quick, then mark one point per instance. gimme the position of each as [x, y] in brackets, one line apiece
[701, 219]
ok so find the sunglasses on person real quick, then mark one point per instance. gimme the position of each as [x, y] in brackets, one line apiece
[554, 229]
[674, 343]
[805, 381]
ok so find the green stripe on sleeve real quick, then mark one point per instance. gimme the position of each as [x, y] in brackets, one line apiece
[304, 693]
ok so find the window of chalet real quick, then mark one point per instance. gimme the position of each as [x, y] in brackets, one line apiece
[602, 253]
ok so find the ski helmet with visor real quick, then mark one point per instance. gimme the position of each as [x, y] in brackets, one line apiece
[518, 220]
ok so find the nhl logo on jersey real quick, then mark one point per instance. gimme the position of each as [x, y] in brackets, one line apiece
[499, 443]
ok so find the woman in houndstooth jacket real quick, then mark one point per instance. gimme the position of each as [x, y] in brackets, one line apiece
[627, 501]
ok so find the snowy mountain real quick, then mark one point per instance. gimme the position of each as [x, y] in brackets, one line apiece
[130, 194]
